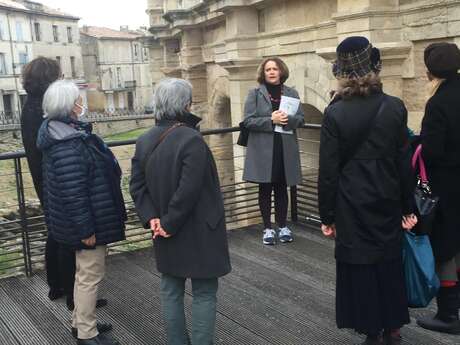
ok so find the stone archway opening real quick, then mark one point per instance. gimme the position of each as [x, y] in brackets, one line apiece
[309, 140]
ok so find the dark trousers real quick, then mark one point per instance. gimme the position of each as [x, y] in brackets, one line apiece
[281, 203]
[203, 310]
[60, 266]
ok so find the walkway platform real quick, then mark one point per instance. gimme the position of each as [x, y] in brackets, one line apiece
[280, 295]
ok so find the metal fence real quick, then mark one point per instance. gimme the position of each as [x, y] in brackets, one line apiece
[23, 230]
[12, 120]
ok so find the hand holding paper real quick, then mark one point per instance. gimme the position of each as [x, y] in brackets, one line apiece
[288, 105]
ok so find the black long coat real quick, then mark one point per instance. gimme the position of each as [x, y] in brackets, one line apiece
[367, 196]
[180, 186]
[31, 120]
[440, 137]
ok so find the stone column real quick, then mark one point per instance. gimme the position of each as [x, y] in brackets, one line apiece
[193, 67]
[241, 61]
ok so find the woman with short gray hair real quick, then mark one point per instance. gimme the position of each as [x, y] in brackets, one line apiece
[82, 201]
[176, 191]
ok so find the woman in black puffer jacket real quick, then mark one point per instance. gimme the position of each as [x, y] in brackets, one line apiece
[83, 204]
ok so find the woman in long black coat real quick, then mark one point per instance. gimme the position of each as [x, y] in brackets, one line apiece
[176, 191]
[364, 191]
[440, 137]
[37, 76]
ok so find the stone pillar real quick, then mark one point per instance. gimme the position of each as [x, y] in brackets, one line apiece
[193, 67]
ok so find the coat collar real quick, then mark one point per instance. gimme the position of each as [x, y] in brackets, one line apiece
[285, 90]
[190, 120]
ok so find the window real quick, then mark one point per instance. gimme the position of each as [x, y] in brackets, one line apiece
[22, 100]
[261, 18]
[72, 66]
[55, 33]
[136, 50]
[119, 77]
[69, 34]
[19, 33]
[2, 36]
[146, 54]
[58, 59]
[23, 58]
[8, 106]
[2, 64]
[38, 36]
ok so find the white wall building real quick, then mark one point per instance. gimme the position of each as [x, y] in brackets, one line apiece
[27, 30]
[117, 66]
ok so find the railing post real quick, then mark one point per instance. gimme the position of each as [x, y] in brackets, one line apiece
[23, 215]
[294, 211]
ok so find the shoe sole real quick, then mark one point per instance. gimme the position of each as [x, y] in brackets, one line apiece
[269, 243]
[436, 329]
[287, 241]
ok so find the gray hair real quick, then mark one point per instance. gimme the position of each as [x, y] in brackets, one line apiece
[59, 99]
[171, 98]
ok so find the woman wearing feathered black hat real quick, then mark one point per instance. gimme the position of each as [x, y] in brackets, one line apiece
[441, 151]
[365, 187]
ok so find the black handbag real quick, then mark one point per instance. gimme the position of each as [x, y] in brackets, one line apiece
[244, 135]
[425, 202]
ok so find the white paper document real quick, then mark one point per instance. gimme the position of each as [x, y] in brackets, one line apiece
[289, 105]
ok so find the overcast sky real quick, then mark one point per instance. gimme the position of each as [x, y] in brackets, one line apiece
[108, 13]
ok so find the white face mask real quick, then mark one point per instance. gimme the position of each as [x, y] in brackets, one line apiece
[83, 111]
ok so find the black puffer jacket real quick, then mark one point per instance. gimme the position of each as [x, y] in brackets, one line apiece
[81, 185]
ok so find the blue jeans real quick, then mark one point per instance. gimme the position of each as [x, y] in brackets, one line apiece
[203, 310]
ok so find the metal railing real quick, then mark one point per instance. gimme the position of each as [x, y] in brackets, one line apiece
[12, 120]
[23, 230]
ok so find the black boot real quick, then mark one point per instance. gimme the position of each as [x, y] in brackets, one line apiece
[446, 319]
[102, 327]
[101, 339]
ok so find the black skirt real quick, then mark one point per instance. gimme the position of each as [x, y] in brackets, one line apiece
[371, 298]
[278, 175]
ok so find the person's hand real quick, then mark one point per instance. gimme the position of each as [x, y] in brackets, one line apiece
[157, 230]
[279, 118]
[328, 230]
[90, 241]
[409, 221]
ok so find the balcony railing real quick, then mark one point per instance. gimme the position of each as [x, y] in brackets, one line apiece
[22, 227]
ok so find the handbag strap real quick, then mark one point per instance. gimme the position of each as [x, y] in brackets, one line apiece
[159, 141]
[418, 158]
[364, 135]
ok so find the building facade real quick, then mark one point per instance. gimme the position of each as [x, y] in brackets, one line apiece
[117, 66]
[218, 44]
[28, 30]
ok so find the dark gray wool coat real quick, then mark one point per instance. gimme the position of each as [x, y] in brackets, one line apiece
[180, 186]
[259, 153]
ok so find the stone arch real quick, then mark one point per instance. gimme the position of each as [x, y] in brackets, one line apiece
[318, 82]
[309, 140]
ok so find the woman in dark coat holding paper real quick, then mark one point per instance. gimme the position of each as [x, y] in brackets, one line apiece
[441, 151]
[272, 159]
[365, 188]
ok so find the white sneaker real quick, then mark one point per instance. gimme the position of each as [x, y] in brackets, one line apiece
[285, 235]
[269, 237]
